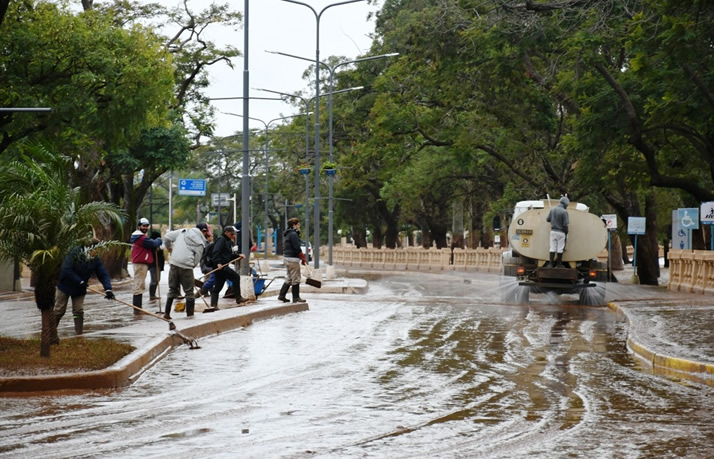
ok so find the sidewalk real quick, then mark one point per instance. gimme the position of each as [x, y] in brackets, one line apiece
[151, 336]
[672, 331]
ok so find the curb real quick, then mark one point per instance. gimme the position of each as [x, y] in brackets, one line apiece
[662, 363]
[127, 370]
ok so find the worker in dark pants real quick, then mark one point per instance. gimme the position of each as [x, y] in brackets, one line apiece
[225, 251]
[186, 248]
[78, 267]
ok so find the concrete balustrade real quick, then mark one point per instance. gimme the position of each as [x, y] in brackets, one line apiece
[691, 271]
[419, 259]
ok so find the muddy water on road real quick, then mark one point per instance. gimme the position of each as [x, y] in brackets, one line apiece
[421, 367]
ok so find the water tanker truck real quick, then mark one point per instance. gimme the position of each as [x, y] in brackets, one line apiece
[529, 254]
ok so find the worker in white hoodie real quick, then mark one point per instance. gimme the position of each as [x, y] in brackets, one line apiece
[185, 248]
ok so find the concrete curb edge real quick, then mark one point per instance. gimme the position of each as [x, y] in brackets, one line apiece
[127, 370]
[663, 363]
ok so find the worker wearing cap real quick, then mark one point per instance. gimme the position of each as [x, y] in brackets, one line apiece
[142, 256]
[226, 251]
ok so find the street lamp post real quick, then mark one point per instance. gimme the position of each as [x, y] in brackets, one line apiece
[286, 206]
[332, 70]
[267, 125]
[316, 248]
[306, 102]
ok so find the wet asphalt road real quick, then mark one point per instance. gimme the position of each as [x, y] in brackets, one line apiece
[421, 366]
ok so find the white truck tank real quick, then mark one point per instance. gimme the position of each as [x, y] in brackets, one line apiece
[529, 232]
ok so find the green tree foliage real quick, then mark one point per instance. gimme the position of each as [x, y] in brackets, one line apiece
[42, 216]
[601, 100]
[105, 84]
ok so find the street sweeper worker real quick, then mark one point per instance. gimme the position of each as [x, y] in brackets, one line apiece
[142, 257]
[225, 251]
[292, 257]
[185, 248]
[79, 265]
[558, 219]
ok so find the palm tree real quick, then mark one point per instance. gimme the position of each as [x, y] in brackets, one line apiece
[42, 217]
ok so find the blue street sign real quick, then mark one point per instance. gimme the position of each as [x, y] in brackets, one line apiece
[688, 218]
[192, 187]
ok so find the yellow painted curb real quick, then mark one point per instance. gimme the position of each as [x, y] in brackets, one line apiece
[666, 364]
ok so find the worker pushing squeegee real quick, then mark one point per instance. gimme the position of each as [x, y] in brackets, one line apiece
[192, 343]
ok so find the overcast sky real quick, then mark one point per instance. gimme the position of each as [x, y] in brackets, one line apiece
[277, 25]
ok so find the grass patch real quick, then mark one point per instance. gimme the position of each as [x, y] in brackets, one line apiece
[21, 357]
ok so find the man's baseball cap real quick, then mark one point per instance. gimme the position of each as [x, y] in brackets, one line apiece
[203, 226]
[143, 221]
[229, 229]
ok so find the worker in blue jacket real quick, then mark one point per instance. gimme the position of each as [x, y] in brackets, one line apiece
[79, 265]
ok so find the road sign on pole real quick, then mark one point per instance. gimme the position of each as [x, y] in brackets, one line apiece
[636, 225]
[707, 213]
[220, 199]
[192, 187]
[688, 218]
[610, 221]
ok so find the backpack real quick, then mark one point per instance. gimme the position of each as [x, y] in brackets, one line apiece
[208, 259]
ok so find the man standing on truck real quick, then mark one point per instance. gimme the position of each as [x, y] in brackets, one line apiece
[558, 219]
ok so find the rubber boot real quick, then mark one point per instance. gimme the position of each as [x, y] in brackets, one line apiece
[296, 294]
[214, 300]
[190, 303]
[559, 263]
[136, 301]
[283, 291]
[54, 337]
[167, 309]
[552, 261]
[152, 292]
[78, 323]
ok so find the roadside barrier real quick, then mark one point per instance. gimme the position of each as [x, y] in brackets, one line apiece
[691, 271]
[419, 259]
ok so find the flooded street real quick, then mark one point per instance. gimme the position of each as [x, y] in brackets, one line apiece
[421, 366]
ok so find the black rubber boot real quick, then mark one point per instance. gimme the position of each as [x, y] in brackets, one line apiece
[552, 261]
[167, 309]
[296, 294]
[284, 291]
[136, 301]
[78, 323]
[214, 299]
[152, 292]
[559, 263]
[190, 303]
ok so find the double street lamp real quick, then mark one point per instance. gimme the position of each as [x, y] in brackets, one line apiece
[307, 103]
[267, 164]
[332, 70]
[318, 15]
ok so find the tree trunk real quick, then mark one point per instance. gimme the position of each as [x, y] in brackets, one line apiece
[391, 219]
[45, 301]
[48, 320]
[616, 247]
[359, 238]
[648, 249]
